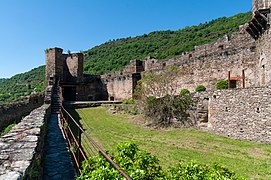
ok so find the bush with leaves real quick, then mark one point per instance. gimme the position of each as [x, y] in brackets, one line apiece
[200, 88]
[193, 170]
[140, 165]
[157, 94]
[128, 101]
[221, 84]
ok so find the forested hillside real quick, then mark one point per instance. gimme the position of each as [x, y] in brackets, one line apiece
[115, 54]
[21, 85]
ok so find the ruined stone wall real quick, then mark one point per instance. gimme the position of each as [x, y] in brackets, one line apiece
[119, 88]
[210, 63]
[13, 113]
[263, 60]
[204, 66]
[260, 4]
[74, 64]
[21, 150]
[92, 90]
[241, 113]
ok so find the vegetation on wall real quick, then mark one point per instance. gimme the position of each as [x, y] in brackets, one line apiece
[200, 88]
[117, 53]
[184, 92]
[21, 85]
[221, 84]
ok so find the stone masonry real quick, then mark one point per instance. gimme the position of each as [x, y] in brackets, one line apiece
[244, 113]
[21, 149]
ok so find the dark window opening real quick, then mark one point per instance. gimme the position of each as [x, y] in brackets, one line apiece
[233, 84]
[263, 66]
[112, 98]
[221, 47]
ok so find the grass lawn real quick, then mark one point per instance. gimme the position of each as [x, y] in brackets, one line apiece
[248, 159]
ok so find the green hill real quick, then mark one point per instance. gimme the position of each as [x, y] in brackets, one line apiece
[21, 85]
[115, 54]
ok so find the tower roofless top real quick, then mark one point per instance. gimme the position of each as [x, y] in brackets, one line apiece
[260, 4]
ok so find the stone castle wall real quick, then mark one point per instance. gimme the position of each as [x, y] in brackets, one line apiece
[204, 66]
[241, 113]
[119, 88]
[13, 113]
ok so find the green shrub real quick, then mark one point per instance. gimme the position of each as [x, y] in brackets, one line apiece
[221, 84]
[193, 170]
[151, 101]
[128, 101]
[184, 92]
[140, 165]
[200, 88]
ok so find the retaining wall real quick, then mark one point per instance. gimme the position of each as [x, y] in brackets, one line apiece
[13, 113]
[241, 113]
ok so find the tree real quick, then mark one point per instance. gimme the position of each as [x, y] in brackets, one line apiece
[162, 104]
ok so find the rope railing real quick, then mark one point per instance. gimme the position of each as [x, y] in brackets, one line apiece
[76, 136]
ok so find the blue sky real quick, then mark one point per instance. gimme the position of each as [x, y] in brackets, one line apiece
[28, 27]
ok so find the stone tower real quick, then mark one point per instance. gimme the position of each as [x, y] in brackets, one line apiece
[260, 4]
[54, 65]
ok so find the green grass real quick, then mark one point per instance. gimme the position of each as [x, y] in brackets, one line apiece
[248, 159]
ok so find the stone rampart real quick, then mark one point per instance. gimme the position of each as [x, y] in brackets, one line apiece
[13, 113]
[21, 150]
[241, 113]
[204, 66]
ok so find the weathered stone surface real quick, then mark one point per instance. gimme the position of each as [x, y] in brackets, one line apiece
[21, 147]
[240, 113]
[14, 112]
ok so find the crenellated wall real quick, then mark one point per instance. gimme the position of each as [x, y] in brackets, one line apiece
[204, 66]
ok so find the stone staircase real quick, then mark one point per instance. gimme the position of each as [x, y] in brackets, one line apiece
[55, 101]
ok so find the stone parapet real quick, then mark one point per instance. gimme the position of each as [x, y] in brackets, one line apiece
[21, 149]
[13, 113]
